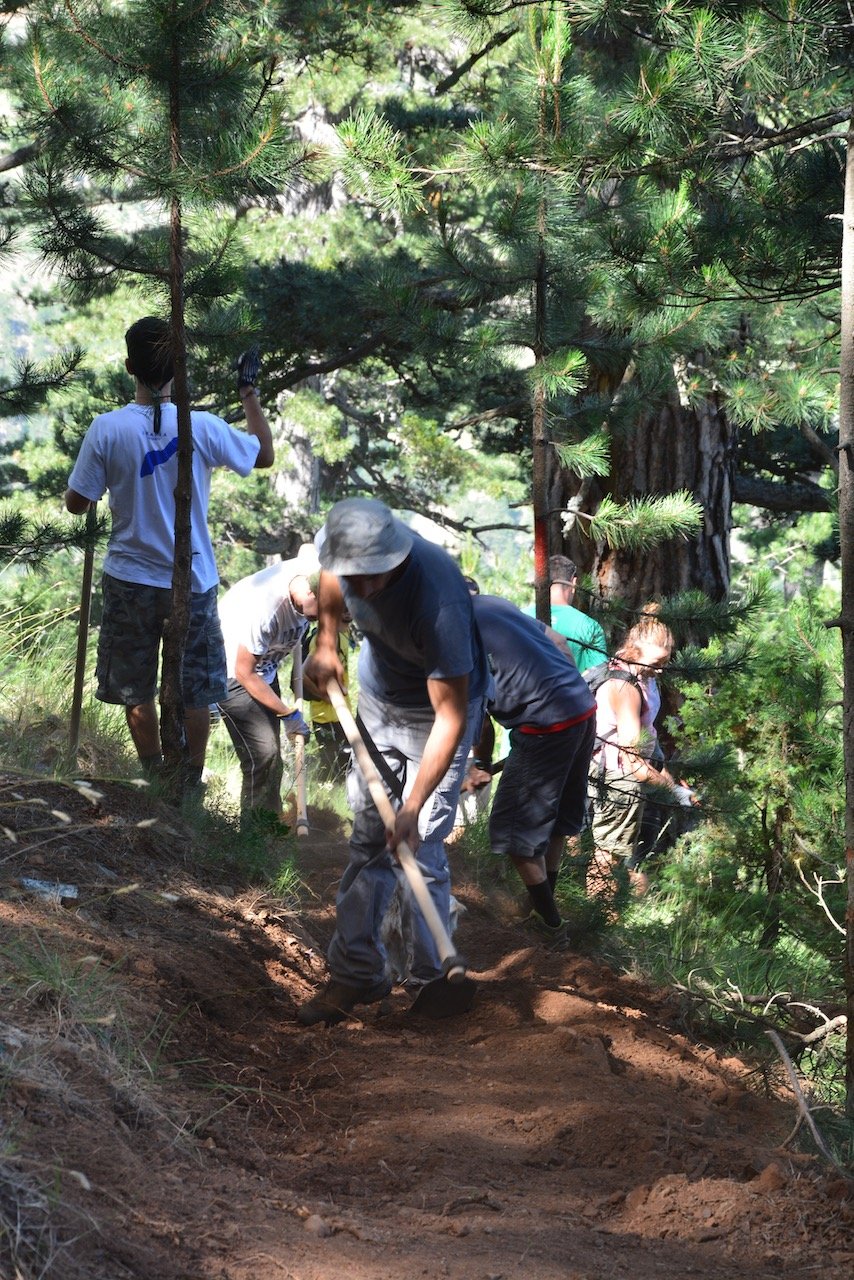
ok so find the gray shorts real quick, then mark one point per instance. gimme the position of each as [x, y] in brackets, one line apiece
[542, 790]
[129, 645]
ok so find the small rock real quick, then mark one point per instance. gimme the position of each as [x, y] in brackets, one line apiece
[568, 1039]
[772, 1178]
[637, 1198]
[316, 1226]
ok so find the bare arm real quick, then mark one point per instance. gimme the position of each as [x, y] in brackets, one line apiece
[560, 642]
[626, 703]
[76, 503]
[325, 663]
[245, 674]
[258, 426]
[478, 776]
[449, 699]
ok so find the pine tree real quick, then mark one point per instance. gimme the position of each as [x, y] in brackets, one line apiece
[525, 265]
[175, 109]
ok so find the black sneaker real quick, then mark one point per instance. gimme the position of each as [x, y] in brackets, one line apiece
[555, 936]
[337, 999]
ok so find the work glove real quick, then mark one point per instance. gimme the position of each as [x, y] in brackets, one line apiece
[295, 723]
[248, 366]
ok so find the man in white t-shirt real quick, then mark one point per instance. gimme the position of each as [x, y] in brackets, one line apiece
[132, 454]
[264, 618]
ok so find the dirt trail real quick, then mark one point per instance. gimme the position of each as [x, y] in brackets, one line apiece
[564, 1128]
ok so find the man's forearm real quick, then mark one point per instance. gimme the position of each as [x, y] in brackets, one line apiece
[330, 610]
[436, 761]
[258, 426]
[258, 689]
[450, 703]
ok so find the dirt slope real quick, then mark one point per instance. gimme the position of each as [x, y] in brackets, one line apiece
[564, 1128]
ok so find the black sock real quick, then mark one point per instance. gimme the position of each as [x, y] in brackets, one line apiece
[551, 877]
[544, 904]
[152, 766]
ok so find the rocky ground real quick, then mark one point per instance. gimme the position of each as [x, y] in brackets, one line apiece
[165, 1118]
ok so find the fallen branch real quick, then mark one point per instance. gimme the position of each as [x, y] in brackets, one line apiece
[804, 1107]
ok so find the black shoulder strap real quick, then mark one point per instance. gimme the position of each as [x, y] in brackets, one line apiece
[388, 776]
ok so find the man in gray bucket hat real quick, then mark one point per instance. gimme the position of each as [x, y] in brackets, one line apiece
[423, 678]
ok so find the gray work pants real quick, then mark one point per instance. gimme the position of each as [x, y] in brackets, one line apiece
[356, 953]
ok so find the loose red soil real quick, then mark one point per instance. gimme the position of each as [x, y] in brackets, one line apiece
[165, 1116]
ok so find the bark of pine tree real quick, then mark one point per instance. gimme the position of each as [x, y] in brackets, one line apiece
[172, 733]
[677, 447]
[846, 620]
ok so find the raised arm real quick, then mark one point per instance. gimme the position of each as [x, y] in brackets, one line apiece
[258, 426]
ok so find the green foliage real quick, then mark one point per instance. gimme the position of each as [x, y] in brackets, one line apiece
[784, 802]
[373, 163]
[643, 522]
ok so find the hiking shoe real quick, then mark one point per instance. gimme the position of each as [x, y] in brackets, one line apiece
[555, 936]
[333, 1003]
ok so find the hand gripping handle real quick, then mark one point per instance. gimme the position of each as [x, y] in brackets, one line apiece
[453, 966]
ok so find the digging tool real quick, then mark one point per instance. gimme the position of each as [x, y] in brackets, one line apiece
[82, 631]
[454, 991]
[299, 748]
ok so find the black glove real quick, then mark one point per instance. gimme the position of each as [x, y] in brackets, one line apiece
[248, 365]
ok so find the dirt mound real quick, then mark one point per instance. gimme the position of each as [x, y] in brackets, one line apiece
[165, 1118]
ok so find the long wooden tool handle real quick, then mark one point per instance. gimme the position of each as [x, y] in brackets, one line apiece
[82, 633]
[453, 966]
[299, 747]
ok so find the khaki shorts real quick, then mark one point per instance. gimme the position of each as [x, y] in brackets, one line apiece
[618, 805]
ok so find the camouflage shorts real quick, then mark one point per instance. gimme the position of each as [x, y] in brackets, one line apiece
[129, 645]
[618, 804]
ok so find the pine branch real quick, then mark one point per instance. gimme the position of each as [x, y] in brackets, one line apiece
[20, 156]
[25, 541]
[33, 382]
[588, 457]
[642, 523]
[790, 495]
[500, 37]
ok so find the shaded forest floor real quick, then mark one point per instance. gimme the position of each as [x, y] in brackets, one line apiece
[164, 1117]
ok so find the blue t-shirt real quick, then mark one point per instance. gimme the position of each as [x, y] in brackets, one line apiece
[535, 684]
[419, 628]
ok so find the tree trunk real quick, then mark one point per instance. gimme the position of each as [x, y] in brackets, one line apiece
[677, 447]
[846, 621]
[172, 734]
[542, 454]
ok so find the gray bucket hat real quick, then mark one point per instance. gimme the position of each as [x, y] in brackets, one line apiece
[362, 536]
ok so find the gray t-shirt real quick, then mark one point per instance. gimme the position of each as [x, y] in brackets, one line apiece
[419, 628]
[535, 684]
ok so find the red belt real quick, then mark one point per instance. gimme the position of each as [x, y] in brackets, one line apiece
[556, 728]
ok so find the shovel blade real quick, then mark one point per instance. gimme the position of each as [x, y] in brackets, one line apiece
[443, 999]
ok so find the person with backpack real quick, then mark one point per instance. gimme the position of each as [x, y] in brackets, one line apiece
[627, 703]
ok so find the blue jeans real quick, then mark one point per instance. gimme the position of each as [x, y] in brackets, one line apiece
[356, 954]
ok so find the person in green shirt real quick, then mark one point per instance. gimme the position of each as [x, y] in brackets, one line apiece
[585, 637]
